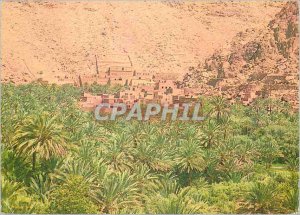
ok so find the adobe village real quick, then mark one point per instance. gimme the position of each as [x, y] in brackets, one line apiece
[140, 87]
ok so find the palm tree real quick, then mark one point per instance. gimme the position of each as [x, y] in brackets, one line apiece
[87, 170]
[41, 185]
[190, 158]
[116, 152]
[236, 157]
[259, 105]
[153, 155]
[225, 125]
[291, 192]
[115, 191]
[14, 198]
[40, 135]
[259, 112]
[292, 200]
[189, 132]
[165, 185]
[14, 167]
[261, 197]
[220, 107]
[212, 159]
[269, 150]
[144, 177]
[180, 203]
[210, 134]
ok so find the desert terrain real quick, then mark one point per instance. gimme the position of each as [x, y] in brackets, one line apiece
[56, 41]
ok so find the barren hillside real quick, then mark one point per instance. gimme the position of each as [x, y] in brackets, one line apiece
[56, 41]
[260, 62]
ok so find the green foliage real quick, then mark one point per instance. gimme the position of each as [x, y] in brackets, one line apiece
[116, 191]
[180, 203]
[39, 136]
[190, 158]
[261, 197]
[57, 159]
[226, 197]
[72, 197]
[14, 199]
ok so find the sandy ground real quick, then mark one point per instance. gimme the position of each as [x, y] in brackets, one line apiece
[56, 41]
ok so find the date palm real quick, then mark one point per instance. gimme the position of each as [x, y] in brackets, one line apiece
[190, 158]
[220, 107]
[236, 157]
[225, 126]
[116, 152]
[87, 170]
[116, 191]
[41, 185]
[261, 197]
[40, 135]
[14, 198]
[211, 133]
[269, 150]
[292, 193]
[166, 185]
[152, 155]
[144, 177]
[9, 193]
[180, 203]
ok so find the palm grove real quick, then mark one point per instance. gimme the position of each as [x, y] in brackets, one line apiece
[57, 159]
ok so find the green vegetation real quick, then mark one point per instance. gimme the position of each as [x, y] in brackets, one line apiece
[96, 88]
[58, 159]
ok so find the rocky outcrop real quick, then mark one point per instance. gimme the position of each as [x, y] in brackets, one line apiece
[265, 58]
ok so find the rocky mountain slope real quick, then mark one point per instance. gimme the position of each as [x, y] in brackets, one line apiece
[260, 62]
[55, 41]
